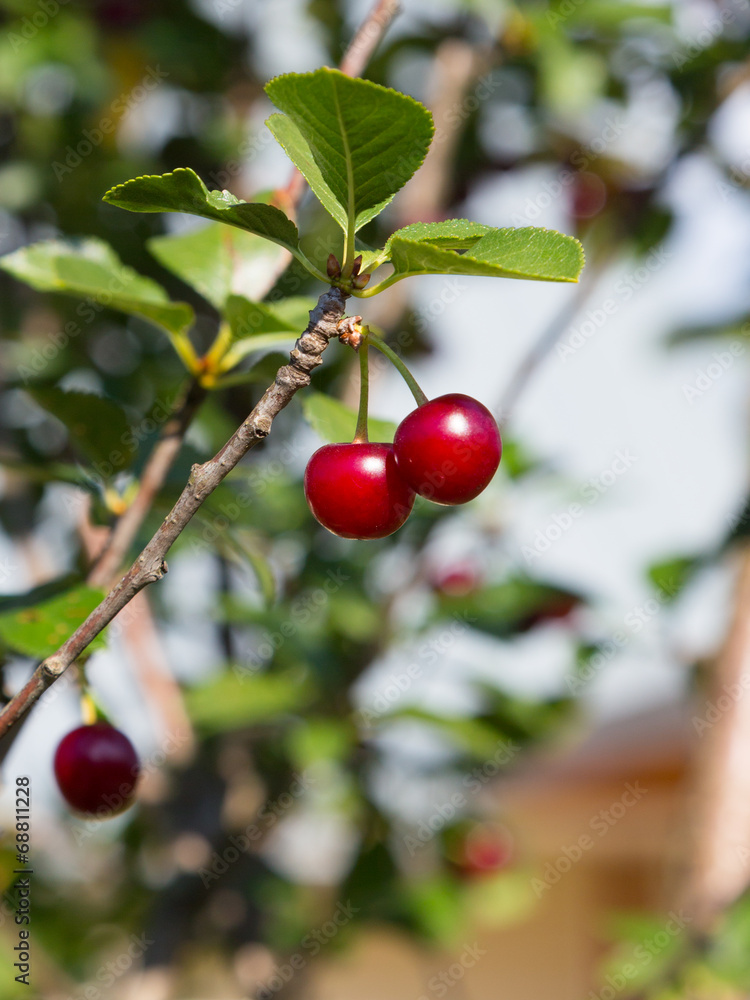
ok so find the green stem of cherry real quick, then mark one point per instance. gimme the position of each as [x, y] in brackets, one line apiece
[407, 376]
[360, 435]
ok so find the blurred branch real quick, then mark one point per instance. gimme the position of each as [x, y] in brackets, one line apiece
[720, 871]
[368, 35]
[456, 68]
[150, 565]
[155, 472]
[353, 63]
[425, 197]
[115, 548]
[146, 653]
[143, 641]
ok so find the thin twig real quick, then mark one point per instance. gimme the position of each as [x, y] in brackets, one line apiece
[368, 36]
[170, 441]
[353, 63]
[108, 563]
[150, 565]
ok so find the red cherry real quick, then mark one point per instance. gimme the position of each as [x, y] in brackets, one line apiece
[97, 769]
[355, 490]
[589, 195]
[486, 850]
[458, 580]
[448, 449]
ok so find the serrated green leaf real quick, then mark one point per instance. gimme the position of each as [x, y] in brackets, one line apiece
[182, 190]
[242, 698]
[334, 422]
[91, 269]
[296, 148]
[218, 260]
[41, 630]
[452, 234]
[97, 426]
[356, 143]
[534, 254]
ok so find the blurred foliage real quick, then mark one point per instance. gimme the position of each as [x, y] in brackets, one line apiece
[106, 91]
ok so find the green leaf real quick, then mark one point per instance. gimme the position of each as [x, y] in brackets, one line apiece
[608, 16]
[333, 421]
[241, 699]
[217, 260]
[48, 472]
[184, 191]
[251, 326]
[16, 602]
[295, 310]
[356, 143]
[438, 909]
[320, 739]
[243, 547]
[262, 372]
[452, 234]
[97, 426]
[296, 148]
[535, 254]
[354, 615]
[252, 319]
[672, 575]
[91, 269]
[41, 630]
[472, 736]
[502, 609]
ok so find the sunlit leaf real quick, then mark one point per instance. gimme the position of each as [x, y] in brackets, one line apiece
[357, 143]
[40, 630]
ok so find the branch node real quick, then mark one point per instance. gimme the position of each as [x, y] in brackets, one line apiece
[349, 331]
[52, 668]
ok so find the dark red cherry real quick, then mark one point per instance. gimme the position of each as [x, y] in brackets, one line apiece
[589, 195]
[97, 769]
[486, 850]
[355, 490]
[448, 449]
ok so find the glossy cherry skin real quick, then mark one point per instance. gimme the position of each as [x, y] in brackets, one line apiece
[355, 490]
[97, 770]
[448, 449]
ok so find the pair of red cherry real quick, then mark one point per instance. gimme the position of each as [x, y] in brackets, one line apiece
[446, 450]
[97, 769]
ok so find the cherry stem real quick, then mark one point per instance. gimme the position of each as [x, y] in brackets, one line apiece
[88, 709]
[399, 365]
[360, 435]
